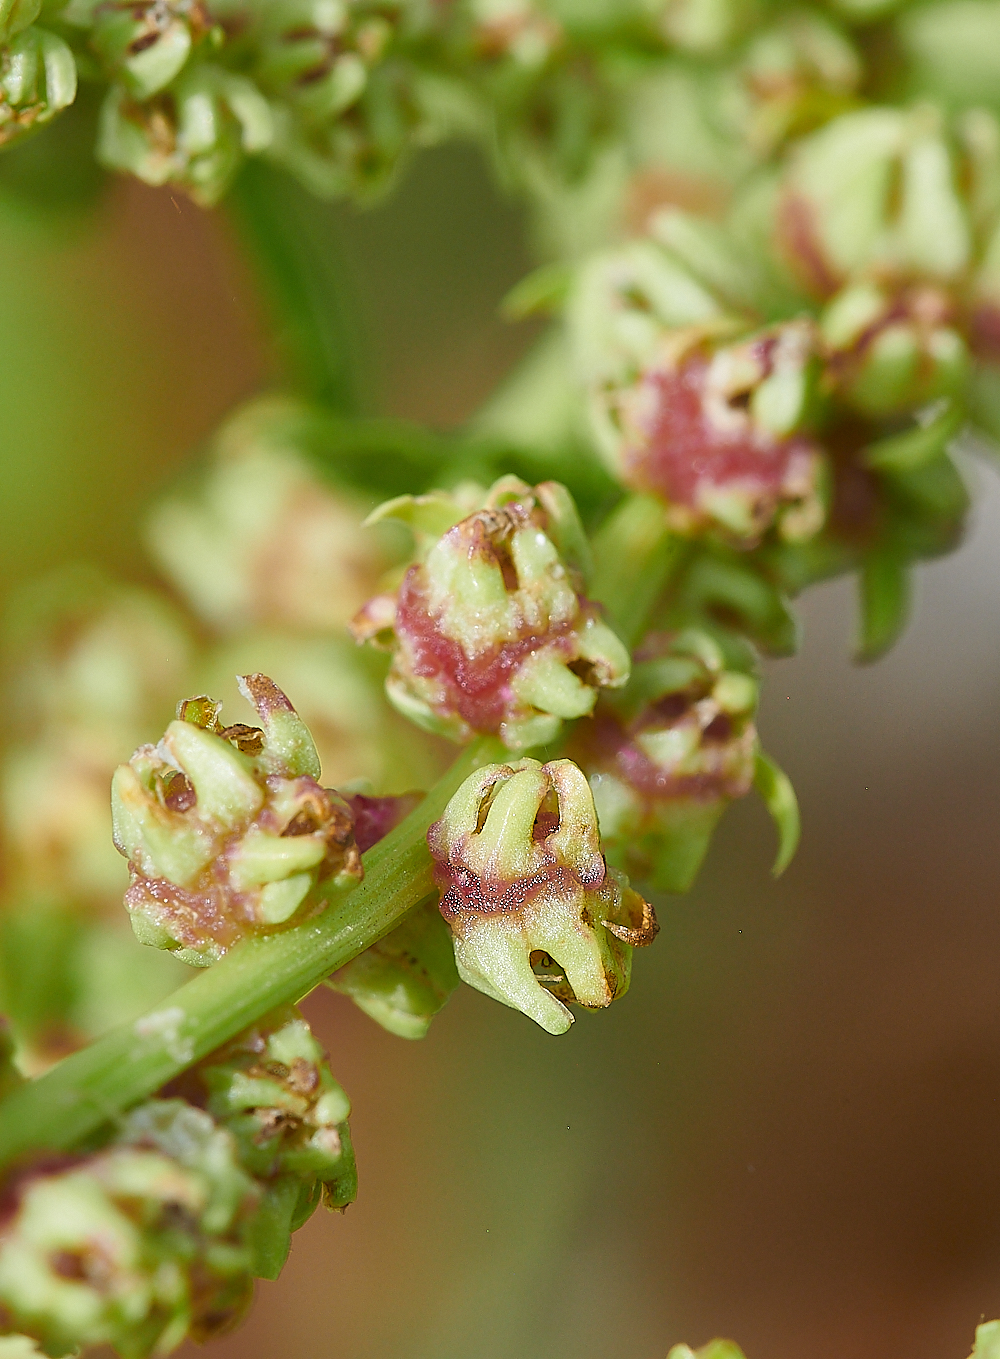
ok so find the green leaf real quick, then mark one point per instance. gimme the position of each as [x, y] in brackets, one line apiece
[884, 586]
[775, 787]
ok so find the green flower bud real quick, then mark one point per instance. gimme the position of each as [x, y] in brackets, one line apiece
[193, 134]
[491, 632]
[226, 830]
[273, 1090]
[263, 542]
[794, 77]
[715, 1349]
[142, 44]
[891, 353]
[706, 26]
[665, 761]
[137, 1245]
[538, 919]
[987, 1344]
[875, 191]
[16, 15]
[342, 97]
[37, 79]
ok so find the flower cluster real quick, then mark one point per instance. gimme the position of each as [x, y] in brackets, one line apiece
[226, 829]
[490, 630]
[156, 1235]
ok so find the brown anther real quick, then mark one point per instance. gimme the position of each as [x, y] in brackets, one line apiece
[248, 739]
[638, 938]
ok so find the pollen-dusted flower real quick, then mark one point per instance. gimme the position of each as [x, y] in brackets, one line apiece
[491, 631]
[262, 541]
[137, 1245]
[37, 75]
[273, 1089]
[539, 920]
[227, 830]
[665, 760]
[194, 133]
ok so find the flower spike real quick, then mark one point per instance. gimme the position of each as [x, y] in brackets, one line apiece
[538, 918]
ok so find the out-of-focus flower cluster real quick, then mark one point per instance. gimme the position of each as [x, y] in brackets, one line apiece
[155, 1234]
[270, 561]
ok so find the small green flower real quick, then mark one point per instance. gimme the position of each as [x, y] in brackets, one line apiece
[666, 759]
[92, 670]
[226, 829]
[715, 1349]
[878, 192]
[137, 1245]
[490, 631]
[194, 133]
[987, 1344]
[273, 1090]
[142, 44]
[538, 919]
[37, 76]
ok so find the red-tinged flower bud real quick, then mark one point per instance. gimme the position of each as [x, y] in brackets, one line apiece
[538, 918]
[491, 632]
[716, 430]
[666, 760]
[227, 829]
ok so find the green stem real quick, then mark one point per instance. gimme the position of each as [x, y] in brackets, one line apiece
[634, 554]
[76, 1097]
[295, 258]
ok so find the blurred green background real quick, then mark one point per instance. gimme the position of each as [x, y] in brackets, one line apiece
[788, 1131]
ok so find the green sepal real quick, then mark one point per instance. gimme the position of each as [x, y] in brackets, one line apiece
[271, 1230]
[406, 978]
[884, 597]
[915, 448]
[987, 1344]
[775, 787]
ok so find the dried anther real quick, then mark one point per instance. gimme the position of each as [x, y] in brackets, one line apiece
[490, 630]
[226, 829]
[524, 881]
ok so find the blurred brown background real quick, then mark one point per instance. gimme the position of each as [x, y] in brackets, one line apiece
[788, 1131]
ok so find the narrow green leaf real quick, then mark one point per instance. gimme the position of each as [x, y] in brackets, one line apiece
[775, 787]
[884, 586]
